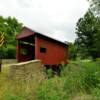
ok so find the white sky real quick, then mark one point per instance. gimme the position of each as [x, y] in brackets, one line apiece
[56, 18]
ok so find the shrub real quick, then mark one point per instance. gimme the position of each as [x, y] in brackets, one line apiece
[92, 74]
[98, 60]
[96, 93]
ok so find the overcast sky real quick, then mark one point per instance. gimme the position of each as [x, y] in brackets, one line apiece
[56, 18]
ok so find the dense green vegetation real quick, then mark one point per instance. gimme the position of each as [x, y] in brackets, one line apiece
[87, 44]
[88, 33]
[79, 80]
[76, 79]
[95, 6]
[10, 27]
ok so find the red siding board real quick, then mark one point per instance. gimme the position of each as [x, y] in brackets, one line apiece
[55, 54]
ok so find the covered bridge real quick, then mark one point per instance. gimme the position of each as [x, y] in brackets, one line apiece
[33, 45]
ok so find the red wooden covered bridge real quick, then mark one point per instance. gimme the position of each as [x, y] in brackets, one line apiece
[33, 45]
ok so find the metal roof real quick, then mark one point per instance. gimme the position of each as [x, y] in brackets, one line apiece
[28, 32]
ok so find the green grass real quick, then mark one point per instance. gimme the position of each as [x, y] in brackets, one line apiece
[16, 89]
[80, 80]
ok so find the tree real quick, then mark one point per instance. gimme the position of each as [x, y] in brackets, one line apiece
[10, 27]
[95, 6]
[72, 51]
[88, 32]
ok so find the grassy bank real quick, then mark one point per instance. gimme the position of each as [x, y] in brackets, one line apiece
[79, 81]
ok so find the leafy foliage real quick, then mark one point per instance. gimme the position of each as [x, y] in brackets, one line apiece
[95, 6]
[10, 27]
[88, 33]
[72, 51]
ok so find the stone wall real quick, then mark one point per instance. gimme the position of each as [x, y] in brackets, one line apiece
[9, 61]
[27, 70]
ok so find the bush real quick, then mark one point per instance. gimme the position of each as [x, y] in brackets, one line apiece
[9, 52]
[98, 60]
[92, 74]
[96, 93]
